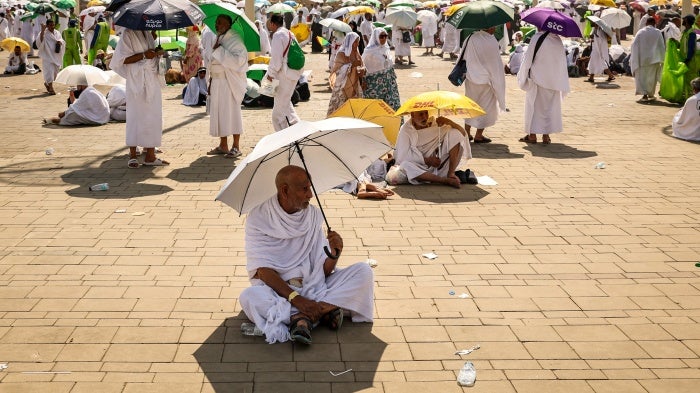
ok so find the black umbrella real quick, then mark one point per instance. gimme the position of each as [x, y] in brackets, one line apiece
[155, 14]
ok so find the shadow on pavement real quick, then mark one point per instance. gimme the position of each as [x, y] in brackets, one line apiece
[439, 193]
[204, 169]
[558, 150]
[668, 131]
[233, 362]
[33, 96]
[124, 183]
[493, 150]
[659, 102]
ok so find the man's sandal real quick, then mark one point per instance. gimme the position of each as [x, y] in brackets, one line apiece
[300, 333]
[333, 319]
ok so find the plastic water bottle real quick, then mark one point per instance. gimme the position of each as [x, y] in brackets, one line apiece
[467, 375]
[49, 151]
[99, 187]
[249, 329]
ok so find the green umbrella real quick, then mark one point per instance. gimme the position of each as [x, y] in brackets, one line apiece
[241, 24]
[481, 15]
[44, 8]
[64, 4]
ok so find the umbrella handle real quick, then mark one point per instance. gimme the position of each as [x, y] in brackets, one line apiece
[328, 253]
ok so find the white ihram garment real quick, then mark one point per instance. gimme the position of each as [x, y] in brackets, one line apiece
[545, 86]
[686, 123]
[292, 245]
[90, 108]
[450, 39]
[648, 51]
[195, 87]
[485, 82]
[117, 103]
[144, 120]
[51, 60]
[600, 56]
[229, 63]
[283, 113]
[413, 145]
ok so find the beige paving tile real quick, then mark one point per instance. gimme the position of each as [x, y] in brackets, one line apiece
[551, 386]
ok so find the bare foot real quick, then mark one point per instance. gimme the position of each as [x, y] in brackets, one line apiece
[452, 181]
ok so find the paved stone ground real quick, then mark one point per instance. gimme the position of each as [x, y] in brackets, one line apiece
[580, 279]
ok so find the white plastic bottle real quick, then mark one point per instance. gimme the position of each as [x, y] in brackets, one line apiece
[467, 375]
[249, 329]
[99, 187]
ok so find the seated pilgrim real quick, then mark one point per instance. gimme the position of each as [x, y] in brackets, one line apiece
[195, 93]
[295, 284]
[686, 123]
[429, 151]
[90, 108]
[17, 62]
[117, 103]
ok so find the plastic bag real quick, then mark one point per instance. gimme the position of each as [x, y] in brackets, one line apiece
[396, 176]
[267, 87]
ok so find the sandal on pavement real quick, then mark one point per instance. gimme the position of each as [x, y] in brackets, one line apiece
[216, 151]
[133, 163]
[300, 333]
[333, 319]
[611, 78]
[157, 162]
[482, 140]
[527, 139]
[546, 140]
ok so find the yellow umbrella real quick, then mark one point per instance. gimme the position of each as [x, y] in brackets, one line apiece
[453, 8]
[93, 3]
[301, 31]
[431, 4]
[604, 3]
[361, 10]
[658, 2]
[260, 60]
[375, 111]
[9, 44]
[444, 102]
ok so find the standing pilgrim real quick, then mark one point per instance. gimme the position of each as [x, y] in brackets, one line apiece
[545, 82]
[51, 48]
[229, 63]
[283, 113]
[485, 82]
[600, 57]
[136, 60]
[646, 60]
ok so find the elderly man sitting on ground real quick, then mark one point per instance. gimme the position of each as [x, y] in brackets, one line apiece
[686, 123]
[89, 108]
[429, 151]
[295, 285]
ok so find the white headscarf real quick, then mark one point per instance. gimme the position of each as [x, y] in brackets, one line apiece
[374, 43]
[377, 57]
[350, 39]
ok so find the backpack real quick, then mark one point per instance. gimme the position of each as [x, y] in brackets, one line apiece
[405, 36]
[296, 59]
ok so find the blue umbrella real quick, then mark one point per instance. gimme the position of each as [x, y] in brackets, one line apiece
[155, 14]
[291, 3]
[552, 21]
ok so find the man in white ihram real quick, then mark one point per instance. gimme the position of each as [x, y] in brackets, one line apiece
[686, 123]
[646, 59]
[293, 281]
[90, 108]
[429, 151]
[283, 113]
[51, 49]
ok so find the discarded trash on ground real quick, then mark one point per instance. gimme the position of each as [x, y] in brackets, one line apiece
[430, 255]
[452, 293]
[340, 373]
[464, 295]
[138, 214]
[120, 211]
[468, 351]
[416, 75]
[371, 262]
[600, 165]
[467, 375]
[99, 187]
[486, 181]
[49, 151]
[3, 366]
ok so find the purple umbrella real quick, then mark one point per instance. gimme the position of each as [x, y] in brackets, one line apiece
[552, 21]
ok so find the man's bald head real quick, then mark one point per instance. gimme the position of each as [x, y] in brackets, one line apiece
[293, 188]
[288, 175]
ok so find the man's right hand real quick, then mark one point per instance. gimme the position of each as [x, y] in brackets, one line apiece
[310, 308]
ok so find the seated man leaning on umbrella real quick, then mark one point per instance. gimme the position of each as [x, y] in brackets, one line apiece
[428, 151]
[295, 285]
[90, 108]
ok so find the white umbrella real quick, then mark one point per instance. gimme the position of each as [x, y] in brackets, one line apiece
[426, 15]
[616, 18]
[96, 9]
[113, 79]
[601, 23]
[279, 8]
[241, 4]
[340, 12]
[401, 17]
[555, 5]
[336, 24]
[82, 74]
[334, 151]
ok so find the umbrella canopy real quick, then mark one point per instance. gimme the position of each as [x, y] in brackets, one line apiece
[361, 10]
[335, 150]
[64, 4]
[402, 3]
[554, 5]
[401, 17]
[375, 111]
[668, 14]
[291, 3]
[241, 24]
[114, 79]
[336, 24]
[156, 14]
[279, 8]
[641, 6]
[256, 71]
[444, 102]
[9, 44]
[425, 15]
[481, 15]
[453, 8]
[96, 9]
[604, 3]
[82, 74]
[601, 23]
[553, 21]
[92, 3]
[44, 8]
[172, 43]
[431, 4]
[342, 11]
[616, 18]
